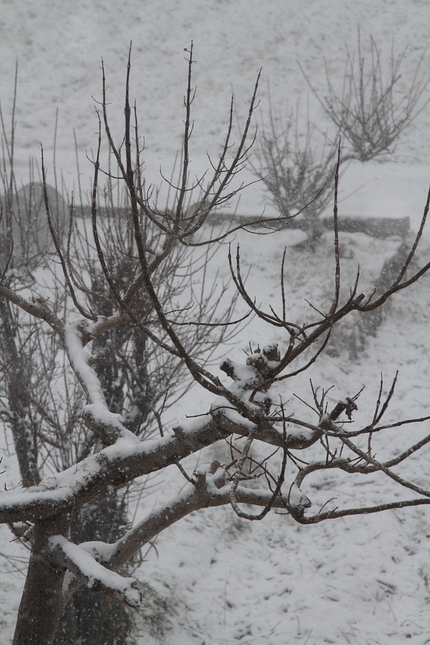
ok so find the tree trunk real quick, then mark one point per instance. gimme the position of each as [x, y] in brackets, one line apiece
[17, 378]
[42, 599]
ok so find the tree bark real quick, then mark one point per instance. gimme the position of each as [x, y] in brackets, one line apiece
[42, 599]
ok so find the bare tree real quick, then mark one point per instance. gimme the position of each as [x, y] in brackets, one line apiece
[373, 108]
[370, 111]
[247, 407]
[297, 170]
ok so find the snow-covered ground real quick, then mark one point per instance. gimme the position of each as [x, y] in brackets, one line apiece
[363, 580]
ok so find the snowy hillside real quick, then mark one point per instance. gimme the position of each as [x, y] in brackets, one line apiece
[355, 581]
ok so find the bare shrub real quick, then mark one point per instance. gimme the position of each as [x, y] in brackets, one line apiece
[297, 171]
[374, 107]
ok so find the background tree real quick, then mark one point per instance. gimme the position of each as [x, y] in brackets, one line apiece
[370, 110]
[98, 304]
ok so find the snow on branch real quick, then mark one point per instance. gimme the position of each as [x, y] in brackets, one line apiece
[113, 465]
[251, 385]
[229, 419]
[105, 424]
[90, 572]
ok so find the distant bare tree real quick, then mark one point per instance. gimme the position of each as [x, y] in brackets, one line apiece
[370, 112]
[297, 170]
[374, 107]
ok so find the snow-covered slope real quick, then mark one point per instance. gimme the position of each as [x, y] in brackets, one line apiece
[59, 46]
[354, 581]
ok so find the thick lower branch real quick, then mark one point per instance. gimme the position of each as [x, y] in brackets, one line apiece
[213, 492]
[114, 465]
[122, 462]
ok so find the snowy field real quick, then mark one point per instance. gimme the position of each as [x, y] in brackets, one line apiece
[355, 581]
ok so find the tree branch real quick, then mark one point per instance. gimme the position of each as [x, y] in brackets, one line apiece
[91, 573]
